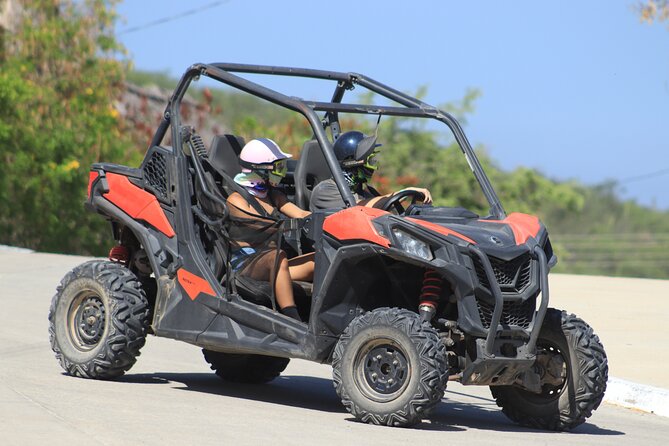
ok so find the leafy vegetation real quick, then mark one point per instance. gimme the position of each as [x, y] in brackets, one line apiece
[58, 81]
[653, 10]
[608, 236]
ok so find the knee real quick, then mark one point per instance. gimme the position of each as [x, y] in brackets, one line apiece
[283, 261]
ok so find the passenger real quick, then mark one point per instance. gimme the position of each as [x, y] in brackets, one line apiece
[255, 227]
[357, 156]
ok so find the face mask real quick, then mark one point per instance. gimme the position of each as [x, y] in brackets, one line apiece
[254, 183]
[365, 175]
[257, 191]
[274, 179]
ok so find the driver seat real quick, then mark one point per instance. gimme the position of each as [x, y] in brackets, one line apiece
[311, 169]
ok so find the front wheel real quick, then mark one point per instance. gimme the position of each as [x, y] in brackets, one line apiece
[98, 320]
[573, 368]
[389, 367]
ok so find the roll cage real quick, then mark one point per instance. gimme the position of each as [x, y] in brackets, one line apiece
[409, 107]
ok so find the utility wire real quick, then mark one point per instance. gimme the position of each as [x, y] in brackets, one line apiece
[611, 235]
[173, 17]
[645, 176]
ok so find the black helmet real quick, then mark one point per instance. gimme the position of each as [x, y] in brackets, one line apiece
[353, 148]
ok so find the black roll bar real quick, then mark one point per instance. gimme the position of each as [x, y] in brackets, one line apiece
[412, 107]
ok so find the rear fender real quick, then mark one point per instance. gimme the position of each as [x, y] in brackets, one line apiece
[105, 197]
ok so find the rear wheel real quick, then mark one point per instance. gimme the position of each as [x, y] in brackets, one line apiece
[389, 367]
[573, 368]
[245, 368]
[98, 320]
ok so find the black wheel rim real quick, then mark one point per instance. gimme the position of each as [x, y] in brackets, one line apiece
[382, 370]
[87, 320]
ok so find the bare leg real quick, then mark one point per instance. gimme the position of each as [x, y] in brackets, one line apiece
[283, 286]
[262, 268]
[302, 267]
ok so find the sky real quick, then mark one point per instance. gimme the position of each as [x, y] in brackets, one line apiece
[576, 89]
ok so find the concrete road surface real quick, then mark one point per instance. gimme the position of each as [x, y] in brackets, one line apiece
[171, 397]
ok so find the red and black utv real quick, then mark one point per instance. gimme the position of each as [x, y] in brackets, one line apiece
[403, 299]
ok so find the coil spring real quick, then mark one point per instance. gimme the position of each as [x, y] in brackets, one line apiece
[431, 290]
[198, 145]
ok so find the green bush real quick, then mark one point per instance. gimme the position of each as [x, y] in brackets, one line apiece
[58, 83]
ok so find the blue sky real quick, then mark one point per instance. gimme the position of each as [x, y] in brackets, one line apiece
[575, 89]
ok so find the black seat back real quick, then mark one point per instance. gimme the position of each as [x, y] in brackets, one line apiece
[311, 169]
[224, 153]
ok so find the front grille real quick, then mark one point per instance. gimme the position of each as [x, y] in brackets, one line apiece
[519, 314]
[512, 276]
[155, 175]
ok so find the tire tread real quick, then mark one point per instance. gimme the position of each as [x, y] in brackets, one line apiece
[433, 367]
[589, 386]
[127, 321]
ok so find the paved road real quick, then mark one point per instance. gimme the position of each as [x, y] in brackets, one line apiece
[171, 397]
[630, 317]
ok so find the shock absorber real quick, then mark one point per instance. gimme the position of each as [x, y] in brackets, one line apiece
[429, 294]
[198, 145]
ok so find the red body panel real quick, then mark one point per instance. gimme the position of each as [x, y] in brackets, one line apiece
[355, 224]
[137, 203]
[91, 177]
[523, 226]
[194, 285]
[441, 229]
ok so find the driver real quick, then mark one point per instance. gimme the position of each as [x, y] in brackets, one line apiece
[357, 156]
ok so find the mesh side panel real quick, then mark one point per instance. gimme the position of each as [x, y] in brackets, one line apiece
[513, 313]
[524, 276]
[155, 174]
[505, 272]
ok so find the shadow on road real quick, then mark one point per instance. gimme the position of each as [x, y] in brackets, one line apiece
[485, 415]
[298, 391]
[314, 393]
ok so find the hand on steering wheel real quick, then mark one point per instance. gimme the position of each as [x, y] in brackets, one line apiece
[396, 198]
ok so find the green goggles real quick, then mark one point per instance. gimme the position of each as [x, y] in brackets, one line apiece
[372, 163]
[280, 168]
[278, 172]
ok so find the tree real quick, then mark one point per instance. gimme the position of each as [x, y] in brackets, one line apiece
[413, 155]
[58, 84]
[654, 10]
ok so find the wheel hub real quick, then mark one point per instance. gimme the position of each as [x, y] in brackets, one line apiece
[552, 368]
[382, 371]
[385, 369]
[87, 320]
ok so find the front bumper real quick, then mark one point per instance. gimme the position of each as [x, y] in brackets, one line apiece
[505, 352]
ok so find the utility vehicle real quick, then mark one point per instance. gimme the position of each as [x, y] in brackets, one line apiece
[404, 298]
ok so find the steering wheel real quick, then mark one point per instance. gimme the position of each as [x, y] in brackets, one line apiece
[394, 201]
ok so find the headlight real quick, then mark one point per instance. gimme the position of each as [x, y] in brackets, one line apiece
[412, 245]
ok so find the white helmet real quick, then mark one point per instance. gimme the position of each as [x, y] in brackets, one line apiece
[265, 158]
[261, 151]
